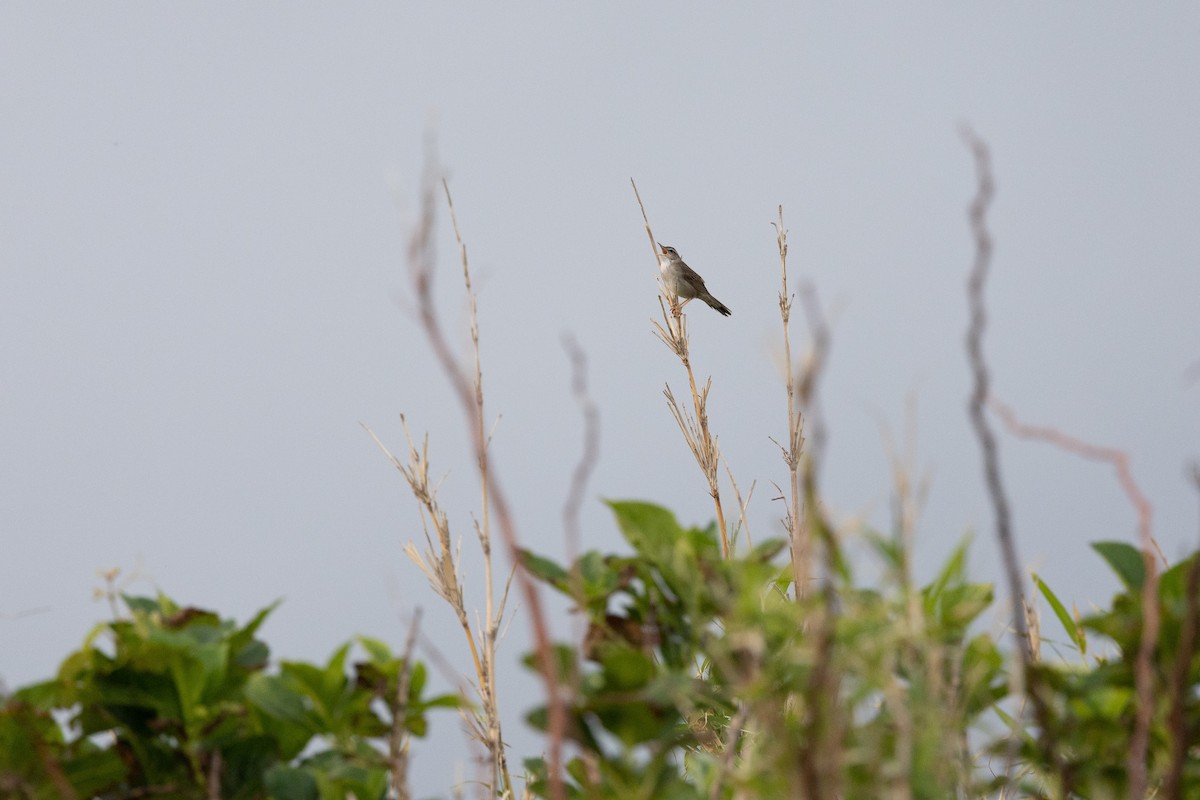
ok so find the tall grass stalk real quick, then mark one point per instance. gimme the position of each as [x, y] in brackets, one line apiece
[794, 521]
[672, 332]
[441, 562]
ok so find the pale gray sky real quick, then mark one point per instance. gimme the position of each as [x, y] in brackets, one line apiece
[203, 217]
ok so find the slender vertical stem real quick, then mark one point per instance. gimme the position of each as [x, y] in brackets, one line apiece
[797, 524]
[698, 436]
[991, 460]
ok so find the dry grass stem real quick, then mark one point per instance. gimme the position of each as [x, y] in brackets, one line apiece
[743, 523]
[441, 567]
[794, 522]
[438, 562]
[908, 503]
[672, 332]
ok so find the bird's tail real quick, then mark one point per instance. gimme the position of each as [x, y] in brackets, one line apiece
[716, 304]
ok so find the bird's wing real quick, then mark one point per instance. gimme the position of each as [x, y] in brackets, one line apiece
[691, 276]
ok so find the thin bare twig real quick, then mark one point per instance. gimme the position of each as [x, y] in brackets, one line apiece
[398, 741]
[987, 443]
[579, 479]
[1119, 459]
[1143, 669]
[591, 447]
[1176, 721]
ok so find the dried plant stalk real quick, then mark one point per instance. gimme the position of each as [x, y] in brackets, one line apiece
[977, 215]
[440, 563]
[398, 739]
[1143, 676]
[1176, 718]
[797, 528]
[700, 440]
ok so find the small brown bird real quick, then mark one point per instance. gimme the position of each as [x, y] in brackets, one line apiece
[682, 281]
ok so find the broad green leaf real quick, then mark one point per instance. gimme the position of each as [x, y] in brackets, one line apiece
[379, 652]
[626, 668]
[147, 605]
[1125, 560]
[92, 773]
[544, 568]
[289, 783]
[43, 696]
[272, 695]
[416, 679]
[651, 530]
[1173, 584]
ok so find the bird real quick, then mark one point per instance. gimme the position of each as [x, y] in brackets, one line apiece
[682, 281]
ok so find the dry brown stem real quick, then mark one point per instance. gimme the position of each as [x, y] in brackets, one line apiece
[672, 332]
[1119, 459]
[398, 740]
[591, 447]
[1143, 668]
[1176, 721]
[977, 215]
[441, 567]
[798, 534]
[743, 523]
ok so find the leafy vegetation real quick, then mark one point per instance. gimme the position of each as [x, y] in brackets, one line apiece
[699, 677]
[175, 702]
[704, 672]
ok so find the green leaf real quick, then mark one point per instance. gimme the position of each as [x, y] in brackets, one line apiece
[146, 605]
[44, 696]
[274, 698]
[953, 572]
[1173, 583]
[651, 530]
[378, 651]
[1125, 560]
[1073, 630]
[544, 568]
[93, 773]
[627, 669]
[289, 783]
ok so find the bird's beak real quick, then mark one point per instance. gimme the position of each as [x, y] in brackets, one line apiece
[660, 247]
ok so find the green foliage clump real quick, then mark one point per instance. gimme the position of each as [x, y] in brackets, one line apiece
[701, 677]
[176, 702]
